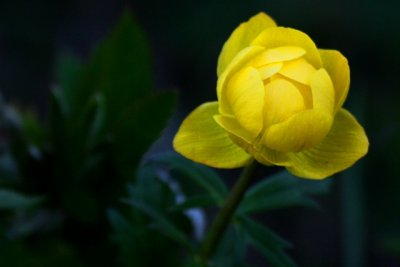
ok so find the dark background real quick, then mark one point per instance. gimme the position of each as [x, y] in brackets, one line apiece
[359, 224]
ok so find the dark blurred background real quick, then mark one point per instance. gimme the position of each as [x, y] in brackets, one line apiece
[359, 224]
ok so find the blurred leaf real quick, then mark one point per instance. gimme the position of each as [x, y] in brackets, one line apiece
[13, 200]
[81, 205]
[391, 245]
[138, 127]
[113, 92]
[32, 130]
[198, 201]
[278, 200]
[9, 172]
[69, 74]
[96, 124]
[265, 235]
[148, 233]
[33, 223]
[200, 174]
[57, 121]
[104, 115]
[282, 190]
[11, 118]
[47, 254]
[86, 129]
[119, 68]
[124, 235]
[161, 223]
[267, 242]
[60, 102]
[151, 189]
[233, 244]
[192, 263]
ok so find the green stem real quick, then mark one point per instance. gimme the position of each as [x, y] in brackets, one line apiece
[224, 217]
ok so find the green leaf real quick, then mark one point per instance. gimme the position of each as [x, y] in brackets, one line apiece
[198, 201]
[12, 200]
[233, 244]
[151, 189]
[110, 100]
[266, 241]
[391, 245]
[9, 171]
[119, 223]
[142, 232]
[45, 254]
[125, 235]
[69, 72]
[91, 123]
[200, 174]
[57, 120]
[138, 127]
[32, 130]
[282, 190]
[278, 200]
[97, 124]
[120, 67]
[264, 234]
[161, 223]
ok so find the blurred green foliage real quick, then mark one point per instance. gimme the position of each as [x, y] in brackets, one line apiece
[104, 115]
[201, 188]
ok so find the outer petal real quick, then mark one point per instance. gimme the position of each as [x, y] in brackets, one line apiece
[240, 61]
[242, 37]
[323, 92]
[243, 139]
[342, 147]
[245, 96]
[301, 131]
[279, 36]
[338, 68]
[202, 140]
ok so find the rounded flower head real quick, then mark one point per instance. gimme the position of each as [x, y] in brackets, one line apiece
[279, 101]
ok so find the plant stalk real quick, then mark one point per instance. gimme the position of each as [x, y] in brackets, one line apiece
[225, 215]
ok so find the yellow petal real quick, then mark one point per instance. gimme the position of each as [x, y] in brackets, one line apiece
[301, 131]
[231, 125]
[268, 156]
[279, 54]
[241, 37]
[269, 70]
[305, 90]
[282, 100]
[299, 70]
[322, 92]
[343, 146]
[279, 36]
[245, 95]
[261, 153]
[239, 62]
[201, 139]
[308, 128]
[338, 69]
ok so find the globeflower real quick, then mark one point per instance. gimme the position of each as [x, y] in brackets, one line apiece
[279, 102]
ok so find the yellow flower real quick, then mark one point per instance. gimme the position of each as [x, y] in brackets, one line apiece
[279, 101]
